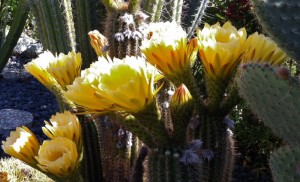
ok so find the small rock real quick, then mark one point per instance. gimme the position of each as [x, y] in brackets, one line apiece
[12, 118]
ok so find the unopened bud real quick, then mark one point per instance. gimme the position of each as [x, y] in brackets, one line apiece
[98, 42]
[181, 96]
[283, 73]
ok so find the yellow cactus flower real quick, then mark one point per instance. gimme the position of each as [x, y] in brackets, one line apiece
[64, 125]
[38, 68]
[261, 49]
[98, 42]
[52, 70]
[22, 144]
[220, 48]
[118, 85]
[65, 68]
[167, 48]
[58, 156]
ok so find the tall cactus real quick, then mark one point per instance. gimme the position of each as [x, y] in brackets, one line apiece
[19, 20]
[56, 31]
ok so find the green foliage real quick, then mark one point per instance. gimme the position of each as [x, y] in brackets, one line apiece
[254, 141]
[239, 12]
[3, 20]
[19, 20]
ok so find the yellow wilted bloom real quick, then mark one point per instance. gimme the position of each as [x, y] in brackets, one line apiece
[98, 42]
[58, 156]
[167, 48]
[64, 125]
[220, 48]
[51, 70]
[22, 144]
[118, 85]
[261, 49]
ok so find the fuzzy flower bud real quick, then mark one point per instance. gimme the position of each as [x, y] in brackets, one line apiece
[64, 125]
[98, 42]
[181, 96]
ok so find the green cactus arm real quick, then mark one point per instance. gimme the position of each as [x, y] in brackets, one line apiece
[83, 26]
[154, 9]
[92, 149]
[285, 164]
[56, 31]
[281, 20]
[69, 23]
[274, 96]
[134, 6]
[216, 138]
[19, 20]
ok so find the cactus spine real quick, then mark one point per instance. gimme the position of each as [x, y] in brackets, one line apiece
[19, 20]
[193, 14]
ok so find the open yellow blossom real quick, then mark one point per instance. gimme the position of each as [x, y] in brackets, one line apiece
[51, 70]
[64, 125]
[220, 48]
[123, 85]
[98, 42]
[58, 156]
[38, 68]
[167, 48]
[22, 144]
[261, 49]
[65, 68]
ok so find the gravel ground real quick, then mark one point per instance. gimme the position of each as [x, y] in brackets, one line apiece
[19, 90]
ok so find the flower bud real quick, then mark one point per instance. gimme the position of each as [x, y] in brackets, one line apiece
[22, 144]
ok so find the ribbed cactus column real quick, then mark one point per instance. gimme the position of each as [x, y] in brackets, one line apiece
[56, 26]
[87, 16]
[124, 35]
[171, 164]
[219, 151]
[93, 167]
